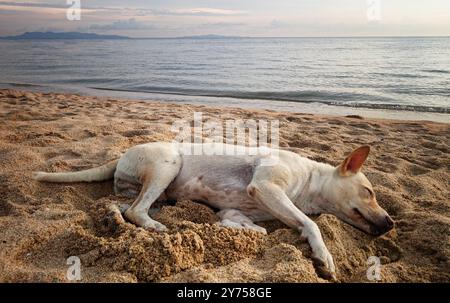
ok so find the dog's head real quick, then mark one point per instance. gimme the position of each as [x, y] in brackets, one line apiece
[353, 199]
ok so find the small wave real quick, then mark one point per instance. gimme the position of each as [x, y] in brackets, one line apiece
[82, 81]
[401, 107]
[422, 92]
[399, 75]
[437, 71]
[328, 98]
[21, 84]
[296, 96]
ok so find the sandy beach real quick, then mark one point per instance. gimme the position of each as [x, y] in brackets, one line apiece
[43, 224]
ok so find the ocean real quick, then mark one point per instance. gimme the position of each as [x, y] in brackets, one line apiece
[403, 74]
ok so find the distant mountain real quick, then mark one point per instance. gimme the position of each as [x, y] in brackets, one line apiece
[63, 35]
[91, 36]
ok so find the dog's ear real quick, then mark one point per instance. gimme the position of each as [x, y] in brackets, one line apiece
[353, 163]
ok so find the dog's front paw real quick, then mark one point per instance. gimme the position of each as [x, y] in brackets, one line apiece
[152, 225]
[158, 227]
[323, 262]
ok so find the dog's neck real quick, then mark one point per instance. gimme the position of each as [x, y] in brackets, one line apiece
[312, 199]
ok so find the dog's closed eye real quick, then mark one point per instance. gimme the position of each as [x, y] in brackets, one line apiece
[369, 192]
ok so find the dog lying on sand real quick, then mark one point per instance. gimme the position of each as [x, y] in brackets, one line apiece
[244, 188]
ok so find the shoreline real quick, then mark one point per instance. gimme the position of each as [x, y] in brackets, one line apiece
[250, 104]
[43, 223]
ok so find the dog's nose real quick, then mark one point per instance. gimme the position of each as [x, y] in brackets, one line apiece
[389, 223]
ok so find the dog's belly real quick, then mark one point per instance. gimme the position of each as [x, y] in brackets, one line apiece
[219, 181]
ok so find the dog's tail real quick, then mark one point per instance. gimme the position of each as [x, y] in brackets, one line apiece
[100, 173]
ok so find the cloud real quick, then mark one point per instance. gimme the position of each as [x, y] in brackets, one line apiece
[182, 12]
[138, 11]
[39, 7]
[8, 12]
[32, 4]
[276, 23]
[130, 24]
[199, 12]
[223, 24]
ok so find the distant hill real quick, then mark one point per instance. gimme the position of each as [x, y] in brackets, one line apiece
[63, 35]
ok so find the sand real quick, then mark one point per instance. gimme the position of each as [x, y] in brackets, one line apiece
[43, 224]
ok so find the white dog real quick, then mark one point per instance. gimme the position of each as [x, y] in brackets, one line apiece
[244, 189]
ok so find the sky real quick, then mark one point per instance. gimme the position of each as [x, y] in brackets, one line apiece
[258, 18]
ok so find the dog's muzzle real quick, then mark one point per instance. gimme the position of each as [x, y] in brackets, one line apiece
[383, 227]
[376, 226]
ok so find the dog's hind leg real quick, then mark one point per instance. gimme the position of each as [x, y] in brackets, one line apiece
[158, 177]
[125, 188]
[236, 219]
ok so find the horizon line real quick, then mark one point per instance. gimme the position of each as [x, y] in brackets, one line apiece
[288, 37]
[218, 36]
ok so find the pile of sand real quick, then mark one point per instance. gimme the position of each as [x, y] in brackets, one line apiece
[43, 224]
